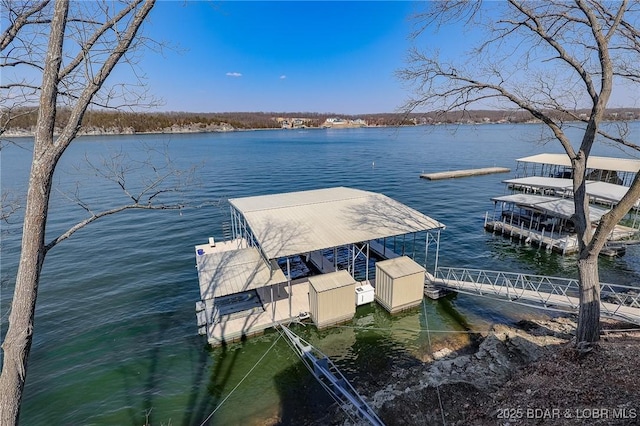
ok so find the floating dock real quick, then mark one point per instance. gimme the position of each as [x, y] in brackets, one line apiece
[260, 278]
[464, 173]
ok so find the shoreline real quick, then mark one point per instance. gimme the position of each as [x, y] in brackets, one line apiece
[512, 371]
[11, 133]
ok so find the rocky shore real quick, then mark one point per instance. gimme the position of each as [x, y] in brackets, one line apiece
[527, 374]
[98, 131]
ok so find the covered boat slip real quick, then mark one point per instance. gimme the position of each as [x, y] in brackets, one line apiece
[270, 232]
[598, 192]
[293, 223]
[620, 171]
[541, 212]
[546, 221]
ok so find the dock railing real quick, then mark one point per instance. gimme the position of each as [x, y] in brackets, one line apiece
[616, 300]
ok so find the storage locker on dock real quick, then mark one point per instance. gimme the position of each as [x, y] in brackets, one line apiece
[331, 298]
[399, 283]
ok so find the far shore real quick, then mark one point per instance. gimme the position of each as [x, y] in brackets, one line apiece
[22, 133]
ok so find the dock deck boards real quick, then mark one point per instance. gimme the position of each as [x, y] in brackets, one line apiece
[565, 244]
[230, 330]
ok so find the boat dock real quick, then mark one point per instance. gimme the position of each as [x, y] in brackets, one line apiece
[557, 242]
[464, 173]
[307, 254]
[540, 208]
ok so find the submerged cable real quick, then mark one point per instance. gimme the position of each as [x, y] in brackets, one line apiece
[426, 321]
[324, 385]
[240, 382]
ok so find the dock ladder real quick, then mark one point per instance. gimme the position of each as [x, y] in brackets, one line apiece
[330, 378]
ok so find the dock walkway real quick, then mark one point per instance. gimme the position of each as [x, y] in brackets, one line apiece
[464, 173]
[617, 301]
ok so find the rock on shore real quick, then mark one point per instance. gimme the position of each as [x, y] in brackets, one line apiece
[527, 374]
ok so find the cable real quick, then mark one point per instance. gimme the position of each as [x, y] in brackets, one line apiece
[340, 403]
[426, 320]
[240, 382]
[410, 329]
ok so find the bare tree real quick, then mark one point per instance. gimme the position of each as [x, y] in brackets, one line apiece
[60, 54]
[547, 58]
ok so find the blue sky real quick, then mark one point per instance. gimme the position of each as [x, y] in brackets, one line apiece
[292, 56]
[279, 56]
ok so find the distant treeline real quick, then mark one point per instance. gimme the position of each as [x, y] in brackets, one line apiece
[145, 122]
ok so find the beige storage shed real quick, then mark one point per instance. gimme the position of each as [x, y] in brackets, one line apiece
[331, 298]
[399, 283]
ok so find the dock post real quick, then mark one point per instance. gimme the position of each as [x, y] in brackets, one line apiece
[511, 225]
[435, 268]
[289, 282]
[366, 268]
[426, 250]
[273, 306]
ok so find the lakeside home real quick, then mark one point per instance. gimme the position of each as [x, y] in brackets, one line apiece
[540, 207]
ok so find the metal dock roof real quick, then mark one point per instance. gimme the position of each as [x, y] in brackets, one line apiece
[305, 221]
[594, 162]
[235, 271]
[559, 207]
[596, 189]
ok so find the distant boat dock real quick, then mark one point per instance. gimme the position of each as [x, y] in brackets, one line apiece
[464, 173]
[540, 208]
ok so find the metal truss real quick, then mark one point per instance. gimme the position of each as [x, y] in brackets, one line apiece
[555, 293]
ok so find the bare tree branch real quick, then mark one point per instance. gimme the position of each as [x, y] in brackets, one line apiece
[547, 58]
[23, 45]
[97, 216]
[10, 33]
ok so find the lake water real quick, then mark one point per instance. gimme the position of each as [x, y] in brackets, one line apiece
[116, 336]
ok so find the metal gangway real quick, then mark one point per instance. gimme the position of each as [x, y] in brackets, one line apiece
[330, 378]
[617, 301]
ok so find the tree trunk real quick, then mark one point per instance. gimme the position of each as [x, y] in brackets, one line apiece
[17, 342]
[589, 313]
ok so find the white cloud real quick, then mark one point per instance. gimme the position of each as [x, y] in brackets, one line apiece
[234, 74]
[282, 77]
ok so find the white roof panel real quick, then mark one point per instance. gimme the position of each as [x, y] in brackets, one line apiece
[235, 271]
[559, 207]
[603, 163]
[607, 191]
[542, 182]
[400, 267]
[595, 189]
[524, 199]
[565, 208]
[302, 222]
[292, 199]
[331, 281]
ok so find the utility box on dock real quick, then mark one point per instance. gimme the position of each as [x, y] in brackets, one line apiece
[399, 284]
[331, 298]
[364, 294]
